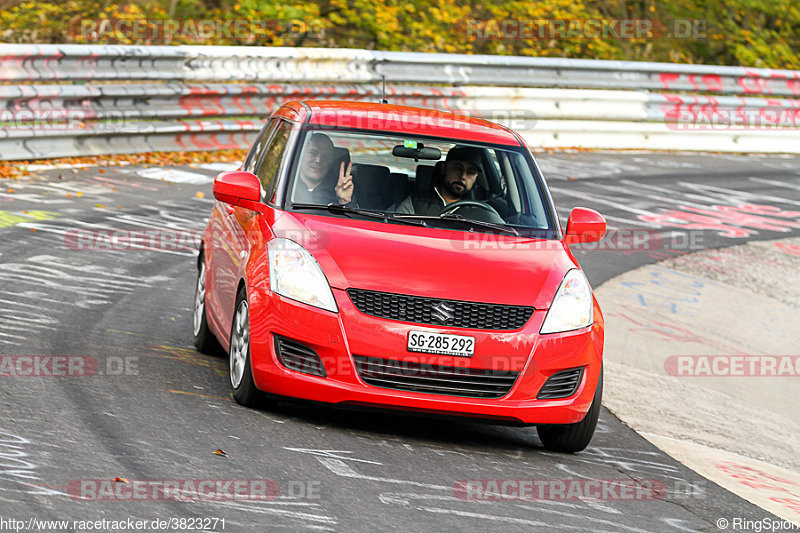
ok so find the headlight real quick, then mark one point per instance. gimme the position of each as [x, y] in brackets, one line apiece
[572, 307]
[294, 273]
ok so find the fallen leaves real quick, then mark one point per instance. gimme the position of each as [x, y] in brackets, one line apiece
[220, 452]
[121, 480]
[10, 170]
[200, 194]
[16, 169]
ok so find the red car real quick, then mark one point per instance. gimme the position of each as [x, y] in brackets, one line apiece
[374, 255]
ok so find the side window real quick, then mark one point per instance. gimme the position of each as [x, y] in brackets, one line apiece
[258, 146]
[267, 169]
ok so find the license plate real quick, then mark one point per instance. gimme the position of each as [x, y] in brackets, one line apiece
[441, 343]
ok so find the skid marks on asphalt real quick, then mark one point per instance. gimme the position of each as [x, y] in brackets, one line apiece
[441, 495]
[289, 513]
[688, 206]
[36, 290]
[19, 471]
[57, 187]
[52, 191]
[167, 227]
[20, 475]
[566, 167]
[549, 516]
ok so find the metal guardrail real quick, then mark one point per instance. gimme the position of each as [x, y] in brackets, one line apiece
[74, 62]
[29, 63]
[62, 100]
[585, 73]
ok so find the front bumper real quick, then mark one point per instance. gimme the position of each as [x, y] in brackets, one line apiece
[336, 337]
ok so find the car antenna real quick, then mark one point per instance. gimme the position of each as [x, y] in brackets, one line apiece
[383, 90]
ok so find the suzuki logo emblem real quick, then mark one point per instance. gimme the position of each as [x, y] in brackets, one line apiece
[443, 312]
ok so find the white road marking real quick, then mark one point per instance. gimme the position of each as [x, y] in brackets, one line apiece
[340, 468]
[221, 166]
[174, 175]
[583, 195]
[335, 454]
[265, 509]
[776, 183]
[32, 168]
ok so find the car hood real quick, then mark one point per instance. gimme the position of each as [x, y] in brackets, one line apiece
[436, 263]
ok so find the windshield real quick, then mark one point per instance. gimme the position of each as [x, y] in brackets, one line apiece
[451, 180]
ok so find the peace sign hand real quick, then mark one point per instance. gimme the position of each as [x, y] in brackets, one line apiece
[344, 187]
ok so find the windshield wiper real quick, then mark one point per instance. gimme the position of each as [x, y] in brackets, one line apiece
[346, 210]
[452, 217]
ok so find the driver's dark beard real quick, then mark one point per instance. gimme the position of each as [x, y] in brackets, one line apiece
[456, 193]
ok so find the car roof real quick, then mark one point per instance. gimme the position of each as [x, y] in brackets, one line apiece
[397, 119]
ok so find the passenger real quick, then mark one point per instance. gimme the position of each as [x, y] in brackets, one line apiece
[312, 187]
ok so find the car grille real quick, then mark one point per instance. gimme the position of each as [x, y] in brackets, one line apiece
[298, 357]
[434, 379]
[561, 384]
[452, 313]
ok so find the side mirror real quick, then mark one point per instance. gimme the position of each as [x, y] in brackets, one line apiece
[585, 225]
[235, 186]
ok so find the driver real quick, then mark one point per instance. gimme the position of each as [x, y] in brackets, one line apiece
[461, 168]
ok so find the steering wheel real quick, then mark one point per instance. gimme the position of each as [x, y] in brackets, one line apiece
[474, 210]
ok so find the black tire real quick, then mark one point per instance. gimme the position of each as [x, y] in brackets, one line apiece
[241, 377]
[571, 438]
[204, 340]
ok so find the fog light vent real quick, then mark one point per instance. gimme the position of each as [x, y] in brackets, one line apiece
[298, 357]
[561, 384]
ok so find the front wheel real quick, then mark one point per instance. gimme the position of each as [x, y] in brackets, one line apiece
[240, 369]
[571, 438]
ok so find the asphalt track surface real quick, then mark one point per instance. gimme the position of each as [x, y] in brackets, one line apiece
[158, 410]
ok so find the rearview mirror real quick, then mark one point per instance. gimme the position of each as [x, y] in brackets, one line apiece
[237, 186]
[420, 152]
[585, 225]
